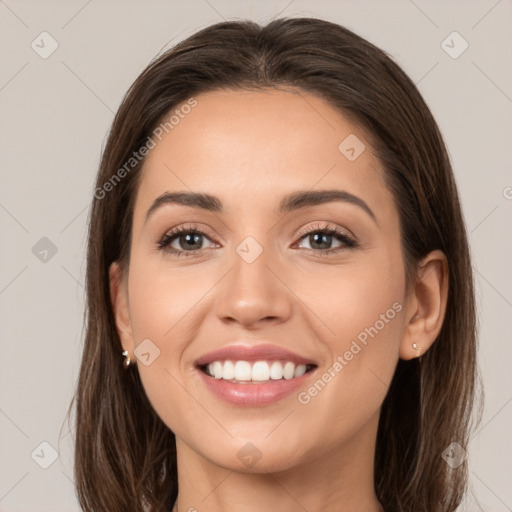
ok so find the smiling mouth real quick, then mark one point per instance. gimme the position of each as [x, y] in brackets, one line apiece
[255, 372]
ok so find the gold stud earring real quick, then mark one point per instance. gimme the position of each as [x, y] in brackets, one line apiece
[418, 349]
[127, 361]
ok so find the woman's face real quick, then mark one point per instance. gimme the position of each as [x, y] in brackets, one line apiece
[256, 275]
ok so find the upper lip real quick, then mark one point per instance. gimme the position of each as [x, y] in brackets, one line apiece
[243, 352]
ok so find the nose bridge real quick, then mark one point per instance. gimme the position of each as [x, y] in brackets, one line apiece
[251, 275]
[252, 291]
[251, 261]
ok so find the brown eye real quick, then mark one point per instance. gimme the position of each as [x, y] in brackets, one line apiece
[187, 241]
[321, 239]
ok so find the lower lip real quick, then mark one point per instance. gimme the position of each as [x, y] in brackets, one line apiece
[253, 395]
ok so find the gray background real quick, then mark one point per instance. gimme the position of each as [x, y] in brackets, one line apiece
[56, 113]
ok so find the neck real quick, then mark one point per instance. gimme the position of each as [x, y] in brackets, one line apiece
[340, 480]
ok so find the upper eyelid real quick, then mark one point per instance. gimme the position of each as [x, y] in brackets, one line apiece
[303, 231]
[188, 228]
[327, 226]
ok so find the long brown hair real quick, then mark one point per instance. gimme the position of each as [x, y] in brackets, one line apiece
[125, 455]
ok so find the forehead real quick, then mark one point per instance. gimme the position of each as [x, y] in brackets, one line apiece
[252, 147]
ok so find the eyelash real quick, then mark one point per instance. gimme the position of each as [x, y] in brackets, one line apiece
[329, 230]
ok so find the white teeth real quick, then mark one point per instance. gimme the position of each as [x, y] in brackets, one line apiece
[217, 370]
[242, 370]
[288, 370]
[276, 370]
[260, 371]
[229, 370]
[300, 370]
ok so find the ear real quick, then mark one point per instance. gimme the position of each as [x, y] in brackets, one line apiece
[119, 299]
[425, 306]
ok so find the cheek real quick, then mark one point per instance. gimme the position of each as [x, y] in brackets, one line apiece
[162, 300]
[370, 306]
[370, 322]
[355, 299]
[362, 308]
[167, 306]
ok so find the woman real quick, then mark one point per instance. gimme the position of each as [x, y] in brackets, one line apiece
[280, 297]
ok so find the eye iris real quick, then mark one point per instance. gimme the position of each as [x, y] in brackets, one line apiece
[323, 237]
[189, 239]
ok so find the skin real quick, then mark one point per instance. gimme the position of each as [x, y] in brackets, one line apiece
[250, 149]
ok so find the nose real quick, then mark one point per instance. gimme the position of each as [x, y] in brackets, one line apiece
[254, 293]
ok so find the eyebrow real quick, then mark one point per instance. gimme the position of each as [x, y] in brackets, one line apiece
[289, 203]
